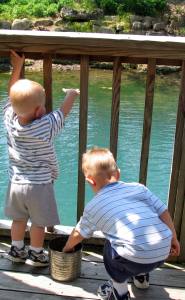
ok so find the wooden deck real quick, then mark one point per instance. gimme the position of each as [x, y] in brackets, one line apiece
[24, 282]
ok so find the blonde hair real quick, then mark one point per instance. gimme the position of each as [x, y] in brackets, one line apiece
[99, 162]
[26, 95]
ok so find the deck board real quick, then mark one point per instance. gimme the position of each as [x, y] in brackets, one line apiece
[25, 282]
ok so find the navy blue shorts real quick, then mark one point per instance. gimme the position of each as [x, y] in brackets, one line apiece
[121, 269]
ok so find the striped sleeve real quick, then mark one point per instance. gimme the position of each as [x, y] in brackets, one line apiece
[6, 107]
[56, 119]
[85, 226]
[158, 206]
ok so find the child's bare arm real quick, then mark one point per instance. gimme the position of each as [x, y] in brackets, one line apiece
[74, 239]
[175, 246]
[71, 94]
[17, 63]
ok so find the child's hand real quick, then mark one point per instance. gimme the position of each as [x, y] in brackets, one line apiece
[68, 250]
[175, 247]
[75, 92]
[17, 61]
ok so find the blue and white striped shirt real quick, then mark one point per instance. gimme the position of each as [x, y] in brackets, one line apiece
[128, 216]
[32, 156]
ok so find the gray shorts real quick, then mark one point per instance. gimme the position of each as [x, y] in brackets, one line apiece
[32, 201]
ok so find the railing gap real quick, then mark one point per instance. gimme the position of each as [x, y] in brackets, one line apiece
[150, 83]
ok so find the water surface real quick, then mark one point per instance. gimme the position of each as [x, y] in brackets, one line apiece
[130, 132]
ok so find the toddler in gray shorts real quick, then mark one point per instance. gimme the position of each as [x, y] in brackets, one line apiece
[32, 163]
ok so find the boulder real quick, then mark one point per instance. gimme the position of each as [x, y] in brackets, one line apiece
[137, 25]
[44, 22]
[21, 24]
[5, 24]
[159, 26]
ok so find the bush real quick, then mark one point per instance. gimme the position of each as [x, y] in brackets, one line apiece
[109, 6]
[143, 7]
[38, 10]
[52, 10]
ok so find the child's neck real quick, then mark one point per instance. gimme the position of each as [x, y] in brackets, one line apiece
[24, 121]
[103, 183]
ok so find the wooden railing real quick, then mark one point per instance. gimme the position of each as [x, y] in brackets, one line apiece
[118, 49]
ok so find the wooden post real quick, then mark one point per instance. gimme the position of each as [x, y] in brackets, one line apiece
[47, 74]
[116, 85]
[147, 120]
[84, 79]
[180, 200]
[177, 147]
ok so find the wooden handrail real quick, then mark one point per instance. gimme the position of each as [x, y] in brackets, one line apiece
[97, 44]
[116, 49]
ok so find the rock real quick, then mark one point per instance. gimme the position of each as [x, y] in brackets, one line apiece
[137, 25]
[135, 18]
[147, 25]
[68, 13]
[5, 24]
[43, 22]
[159, 26]
[58, 22]
[102, 29]
[21, 24]
[79, 16]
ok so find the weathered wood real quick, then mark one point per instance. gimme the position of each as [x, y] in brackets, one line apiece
[47, 78]
[84, 79]
[177, 147]
[75, 58]
[147, 120]
[181, 258]
[180, 199]
[86, 286]
[8, 295]
[93, 44]
[25, 282]
[96, 270]
[116, 86]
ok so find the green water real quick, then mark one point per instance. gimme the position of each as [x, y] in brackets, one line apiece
[130, 132]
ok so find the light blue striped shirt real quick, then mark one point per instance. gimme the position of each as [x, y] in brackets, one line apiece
[32, 157]
[128, 216]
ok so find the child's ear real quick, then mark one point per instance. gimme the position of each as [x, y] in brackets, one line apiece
[39, 112]
[90, 180]
[118, 174]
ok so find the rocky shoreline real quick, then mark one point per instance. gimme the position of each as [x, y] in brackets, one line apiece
[172, 22]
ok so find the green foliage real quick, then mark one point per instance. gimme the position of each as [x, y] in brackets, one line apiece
[66, 3]
[143, 7]
[109, 6]
[11, 9]
[80, 27]
[52, 10]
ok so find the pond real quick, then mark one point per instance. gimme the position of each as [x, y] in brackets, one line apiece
[130, 132]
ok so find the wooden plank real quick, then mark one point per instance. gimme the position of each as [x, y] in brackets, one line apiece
[93, 44]
[82, 288]
[96, 270]
[158, 293]
[75, 58]
[116, 86]
[181, 258]
[177, 146]
[84, 80]
[11, 295]
[47, 78]
[60, 230]
[147, 122]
